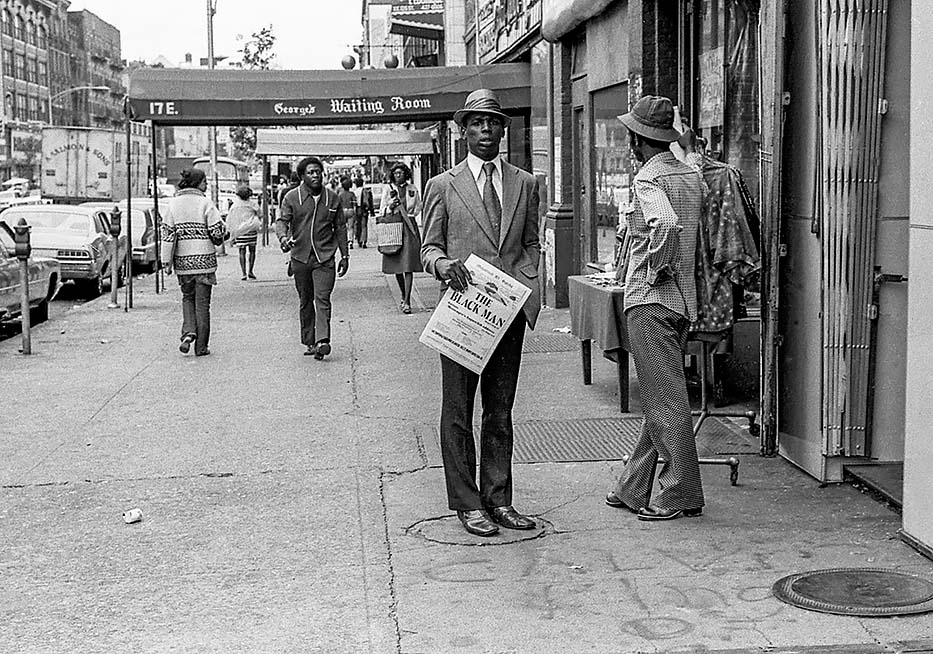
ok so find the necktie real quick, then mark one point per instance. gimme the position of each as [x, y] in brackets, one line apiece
[491, 198]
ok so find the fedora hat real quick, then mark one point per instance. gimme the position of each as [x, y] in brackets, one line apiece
[652, 117]
[481, 101]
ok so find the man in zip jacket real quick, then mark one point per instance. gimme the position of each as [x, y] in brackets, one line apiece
[312, 228]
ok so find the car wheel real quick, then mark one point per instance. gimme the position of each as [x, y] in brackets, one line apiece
[39, 313]
[95, 287]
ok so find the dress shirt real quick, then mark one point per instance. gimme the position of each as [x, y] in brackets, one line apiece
[476, 167]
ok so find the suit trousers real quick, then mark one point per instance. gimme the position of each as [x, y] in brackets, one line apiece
[658, 340]
[196, 310]
[362, 229]
[497, 393]
[315, 283]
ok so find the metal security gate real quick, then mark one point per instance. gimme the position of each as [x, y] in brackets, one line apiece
[851, 41]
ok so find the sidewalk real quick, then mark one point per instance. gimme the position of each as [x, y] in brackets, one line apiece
[292, 505]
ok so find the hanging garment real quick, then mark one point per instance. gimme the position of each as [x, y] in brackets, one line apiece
[727, 254]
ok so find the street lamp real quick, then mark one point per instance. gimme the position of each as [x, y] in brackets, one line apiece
[71, 90]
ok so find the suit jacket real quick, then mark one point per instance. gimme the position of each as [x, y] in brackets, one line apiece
[317, 232]
[366, 207]
[456, 225]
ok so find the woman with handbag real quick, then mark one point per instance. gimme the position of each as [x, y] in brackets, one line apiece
[243, 221]
[401, 204]
[191, 227]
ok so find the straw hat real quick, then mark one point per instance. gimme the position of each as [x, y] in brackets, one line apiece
[652, 117]
[481, 101]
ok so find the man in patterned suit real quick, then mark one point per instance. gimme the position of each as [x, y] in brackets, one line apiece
[660, 304]
[488, 207]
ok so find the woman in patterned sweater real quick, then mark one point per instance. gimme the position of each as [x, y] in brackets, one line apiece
[191, 227]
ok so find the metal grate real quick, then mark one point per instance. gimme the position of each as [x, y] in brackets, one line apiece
[551, 343]
[596, 439]
[608, 439]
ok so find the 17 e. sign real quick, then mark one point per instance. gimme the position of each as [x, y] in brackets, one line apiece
[162, 109]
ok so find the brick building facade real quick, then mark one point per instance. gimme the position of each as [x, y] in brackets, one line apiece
[45, 52]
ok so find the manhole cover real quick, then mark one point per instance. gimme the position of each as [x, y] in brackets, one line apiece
[448, 530]
[862, 592]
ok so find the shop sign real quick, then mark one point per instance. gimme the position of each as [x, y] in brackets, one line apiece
[302, 109]
[422, 6]
[503, 23]
[712, 88]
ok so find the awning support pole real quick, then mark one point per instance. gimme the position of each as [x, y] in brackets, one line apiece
[155, 210]
[129, 195]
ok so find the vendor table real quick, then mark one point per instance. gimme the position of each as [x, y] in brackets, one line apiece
[597, 313]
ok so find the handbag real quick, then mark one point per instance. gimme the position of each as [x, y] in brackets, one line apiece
[389, 233]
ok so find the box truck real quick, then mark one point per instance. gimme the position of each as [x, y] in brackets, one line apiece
[87, 163]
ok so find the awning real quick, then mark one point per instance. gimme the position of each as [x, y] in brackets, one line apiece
[560, 17]
[419, 24]
[179, 96]
[343, 143]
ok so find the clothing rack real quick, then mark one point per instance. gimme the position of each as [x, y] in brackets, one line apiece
[705, 365]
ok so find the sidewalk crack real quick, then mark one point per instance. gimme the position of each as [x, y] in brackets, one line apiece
[354, 376]
[393, 594]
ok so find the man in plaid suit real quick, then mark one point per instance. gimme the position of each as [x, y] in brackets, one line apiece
[660, 303]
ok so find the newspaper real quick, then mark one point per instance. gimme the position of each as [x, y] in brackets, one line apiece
[466, 327]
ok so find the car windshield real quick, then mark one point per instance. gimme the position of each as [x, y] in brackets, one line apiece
[139, 221]
[72, 222]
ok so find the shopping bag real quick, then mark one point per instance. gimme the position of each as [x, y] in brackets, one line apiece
[389, 237]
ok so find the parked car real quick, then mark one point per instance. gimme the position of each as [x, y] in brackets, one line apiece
[144, 246]
[44, 280]
[78, 237]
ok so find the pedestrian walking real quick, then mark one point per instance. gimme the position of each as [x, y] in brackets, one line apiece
[403, 200]
[348, 206]
[365, 207]
[488, 207]
[191, 227]
[660, 303]
[311, 228]
[243, 223]
[293, 181]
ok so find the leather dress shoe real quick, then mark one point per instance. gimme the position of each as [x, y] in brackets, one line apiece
[613, 500]
[322, 350]
[185, 345]
[477, 523]
[654, 513]
[509, 518]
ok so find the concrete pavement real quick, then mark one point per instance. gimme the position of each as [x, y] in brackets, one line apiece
[292, 505]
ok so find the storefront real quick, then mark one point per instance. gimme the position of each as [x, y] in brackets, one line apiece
[818, 150]
[705, 56]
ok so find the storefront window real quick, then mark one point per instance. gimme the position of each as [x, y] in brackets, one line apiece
[612, 168]
[539, 122]
[727, 91]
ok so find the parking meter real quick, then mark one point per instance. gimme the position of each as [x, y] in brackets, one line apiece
[115, 225]
[22, 250]
[21, 239]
